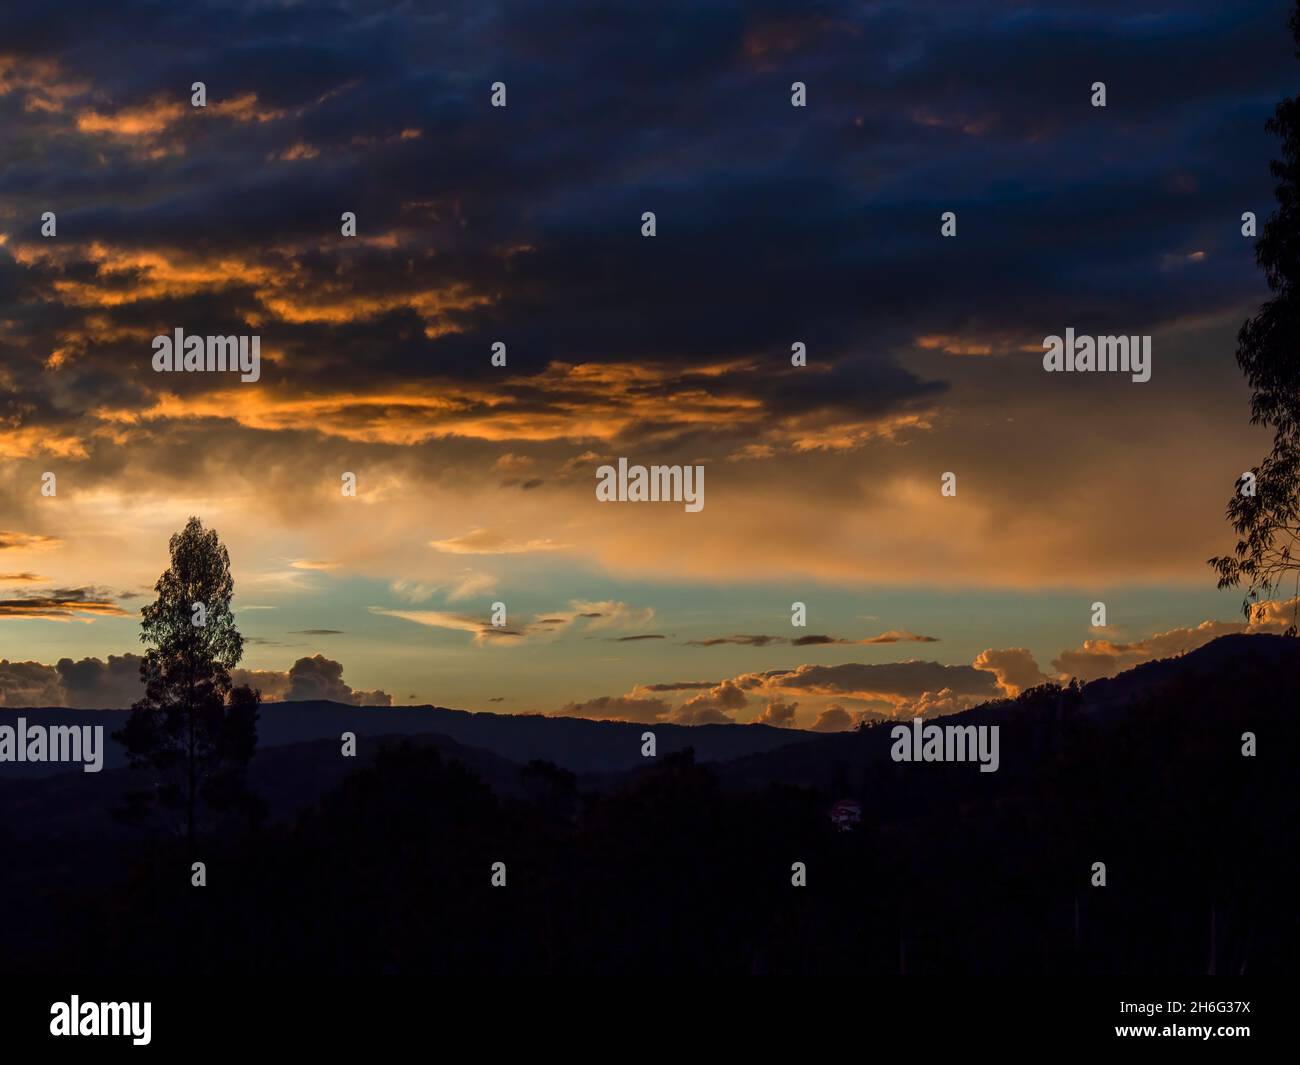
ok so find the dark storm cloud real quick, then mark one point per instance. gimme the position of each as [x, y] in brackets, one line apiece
[114, 683]
[61, 604]
[683, 685]
[812, 640]
[775, 224]
[307, 679]
[92, 683]
[743, 641]
[85, 684]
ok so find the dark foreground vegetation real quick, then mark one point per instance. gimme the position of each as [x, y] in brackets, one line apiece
[686, 867]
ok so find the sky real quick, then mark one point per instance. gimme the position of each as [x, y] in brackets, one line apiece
[774, 225]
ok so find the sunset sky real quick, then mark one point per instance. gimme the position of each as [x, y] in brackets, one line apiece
[522, 224]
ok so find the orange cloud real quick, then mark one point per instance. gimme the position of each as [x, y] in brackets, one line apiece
[22, 442]
[19, 541]
[156, 116]
[45, 86]
[485, 542]
[139, 120]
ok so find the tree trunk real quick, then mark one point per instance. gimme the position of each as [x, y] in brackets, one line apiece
[189, 763]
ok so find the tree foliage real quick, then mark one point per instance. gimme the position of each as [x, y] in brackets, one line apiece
[193, 729]
[1267, 522]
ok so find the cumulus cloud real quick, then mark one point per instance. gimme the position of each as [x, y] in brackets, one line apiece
[1274, 615]
[114, 683]
[899, 689]
[1104, 658]
[319, 677]
[935, 704]
[1014, 667]
[893, 682]
[833, 719]
[700, 713]
[29, 684]
[273, 684]
[94, 684]
[646, 704]
[642, 709]
[712, 707]
[84, 684]
[778, 714]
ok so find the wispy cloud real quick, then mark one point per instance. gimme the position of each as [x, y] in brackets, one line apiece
[19, 541]
[483, 631]
[811, 640]
[486, 542]
[71, 604]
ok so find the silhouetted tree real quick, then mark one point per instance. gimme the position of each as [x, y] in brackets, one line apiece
[1268, 352]
[192, 727]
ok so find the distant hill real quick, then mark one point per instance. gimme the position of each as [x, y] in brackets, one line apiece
[576, 744]
[1247, 658]
[601, 747]
[299, 741]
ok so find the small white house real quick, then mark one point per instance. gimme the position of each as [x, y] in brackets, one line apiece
[845, 814]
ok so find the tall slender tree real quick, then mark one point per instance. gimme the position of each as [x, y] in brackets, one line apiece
[193, 728]
[1266, 513]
